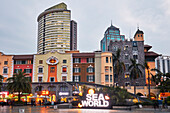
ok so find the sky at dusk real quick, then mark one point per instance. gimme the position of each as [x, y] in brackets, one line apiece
[18, 22]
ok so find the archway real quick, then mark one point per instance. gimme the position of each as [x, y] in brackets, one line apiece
[39, 88]
[152, 95]
[51, 88]
[139, 94]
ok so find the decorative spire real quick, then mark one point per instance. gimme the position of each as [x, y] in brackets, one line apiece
[138, 26]
[111, 23]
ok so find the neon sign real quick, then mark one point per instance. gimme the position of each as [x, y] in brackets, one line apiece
[95, 100]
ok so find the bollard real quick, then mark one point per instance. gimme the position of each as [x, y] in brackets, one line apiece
[55, 107]
[21, 110]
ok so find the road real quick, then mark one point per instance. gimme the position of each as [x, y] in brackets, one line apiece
[38, 109]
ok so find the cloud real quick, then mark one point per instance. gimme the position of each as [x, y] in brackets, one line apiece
[18, 23]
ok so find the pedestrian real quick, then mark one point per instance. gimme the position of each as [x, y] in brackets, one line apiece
[160, 104]
[40, 102]
[155, 104]
[31, 102]
[166, 106]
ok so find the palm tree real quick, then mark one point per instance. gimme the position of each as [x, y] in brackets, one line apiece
[19, 83]
[147, 68]
[119, 66]
[159, 77]
[135, 71]
[1, 78]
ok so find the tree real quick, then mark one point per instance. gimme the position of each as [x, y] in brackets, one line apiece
[135, 71]
[1, 78]
[119, 66]
[19, 83]
[147, 68]
[162, 80]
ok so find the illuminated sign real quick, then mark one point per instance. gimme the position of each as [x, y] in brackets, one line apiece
[45, 92]
[63, 93]
[95, 100]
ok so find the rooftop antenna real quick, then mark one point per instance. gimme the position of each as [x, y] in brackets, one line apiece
[111, 23]
[137, 25]
[129, 34]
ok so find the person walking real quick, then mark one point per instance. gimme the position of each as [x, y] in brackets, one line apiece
[166, 106]
[40, 102]
[160, 104]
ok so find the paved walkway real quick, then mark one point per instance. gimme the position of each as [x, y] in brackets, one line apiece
[42, 109]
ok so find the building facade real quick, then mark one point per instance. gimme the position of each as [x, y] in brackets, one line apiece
[52, 67]
[6, 66]
[23, 63]
[73, 35]
[84, 67]
[129, 50]
[163, 63]
[150, 57]
[112, 33]
[54, 29]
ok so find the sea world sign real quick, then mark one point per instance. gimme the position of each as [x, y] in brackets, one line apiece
[95, 100]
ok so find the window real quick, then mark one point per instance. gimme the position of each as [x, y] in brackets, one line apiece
[127, 84]
[90, 78]
[76, 60]
[64, 61]
[63, 88]
[126, 56]
[77, 78]
[40, 70]
[134, 44]
[90, 60]
[52, 69]
[106, 78]
[116, 84]
[40, 61]
[137, 83]
[126, 67]
[18, 62]
[126, 47]
[110, 78]
[64, 69]
[135, 56]
[52, 79]
[76, 70]
[110, 59]
[135, 49]
[114, 48]
[23, 62]
[28, 70]
[64, 78]
[5, 70]
[83, 60]
[5, 62]
[39, 79]
[110, 69]
[127, 75]
[106, 69]
[17, 70]
[90, 69]
[107, 60]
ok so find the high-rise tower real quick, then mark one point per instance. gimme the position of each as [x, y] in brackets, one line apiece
[112, 33]
[54, 29]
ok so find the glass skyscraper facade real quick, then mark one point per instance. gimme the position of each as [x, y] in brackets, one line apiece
[112, 33]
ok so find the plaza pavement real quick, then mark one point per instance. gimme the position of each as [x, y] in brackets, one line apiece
[42, 109]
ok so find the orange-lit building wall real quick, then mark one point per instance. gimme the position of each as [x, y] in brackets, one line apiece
[9, 66]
